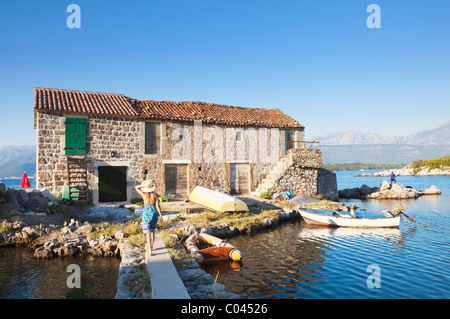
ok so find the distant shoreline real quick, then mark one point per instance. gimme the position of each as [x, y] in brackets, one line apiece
[361, 166]
[409, 171]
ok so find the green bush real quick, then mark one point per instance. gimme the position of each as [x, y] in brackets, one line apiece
[5, 227]
[266, 195]
[431, 163]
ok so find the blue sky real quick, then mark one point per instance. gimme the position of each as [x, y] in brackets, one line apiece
[315, 60]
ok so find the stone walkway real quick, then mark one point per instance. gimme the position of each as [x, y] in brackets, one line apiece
[166, 283]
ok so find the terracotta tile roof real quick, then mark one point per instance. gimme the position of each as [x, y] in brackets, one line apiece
[82, 102]
[216, 113]
[55, 100]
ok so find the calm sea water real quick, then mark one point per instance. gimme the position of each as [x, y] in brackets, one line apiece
[15, 183]
[23, 277]
[296, 260]
[291, 261]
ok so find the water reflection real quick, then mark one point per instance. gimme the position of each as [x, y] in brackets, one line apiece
[297, 260]
[23, 277]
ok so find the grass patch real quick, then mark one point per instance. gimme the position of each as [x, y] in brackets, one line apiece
[179, 255]
[63, 210]
[5, 227]
[323, 205]
[250, 220]
[9, 215]
[139, 282]
[104, 229]
[133, 230]
[266, 195]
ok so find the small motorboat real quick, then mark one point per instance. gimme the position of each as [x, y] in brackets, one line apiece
[217, 201]
[210, 248]
[349, 219]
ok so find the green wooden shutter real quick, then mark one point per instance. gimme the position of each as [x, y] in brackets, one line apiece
[75, 136]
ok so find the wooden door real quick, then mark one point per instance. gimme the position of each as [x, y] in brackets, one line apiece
[176, 180]
[239, 180]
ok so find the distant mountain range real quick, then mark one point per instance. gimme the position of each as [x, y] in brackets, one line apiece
[349, 146]
[353, 146]
[15, 160]
[437, 136]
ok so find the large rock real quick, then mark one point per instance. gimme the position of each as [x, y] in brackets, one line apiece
[433, 190]
[386, 191]
[357, 192]
[396, 191]
[9, 201]
[36, 202]
[20, 200]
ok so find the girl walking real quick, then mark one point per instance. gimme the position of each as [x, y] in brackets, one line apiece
[151, 211]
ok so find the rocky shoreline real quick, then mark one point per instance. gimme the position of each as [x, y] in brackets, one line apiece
[409, 171]
[52, 235]
[70, 239]
[386, 191]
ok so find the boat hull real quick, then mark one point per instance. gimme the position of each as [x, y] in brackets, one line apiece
[209, 248]
[216, 201]
[326, 218]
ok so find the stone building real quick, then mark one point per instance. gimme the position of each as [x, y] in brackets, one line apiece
[101, 145]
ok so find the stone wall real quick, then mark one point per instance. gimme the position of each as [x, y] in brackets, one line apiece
[109, 142]
[302, 175]
[115, 142]
[210, 149]
[51, 166]
[207, 149]
[327, 184]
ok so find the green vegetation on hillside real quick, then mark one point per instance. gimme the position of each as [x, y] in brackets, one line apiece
[359, 166]
[431, 163]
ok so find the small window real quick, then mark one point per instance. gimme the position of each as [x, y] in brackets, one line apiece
[289, 139]
[152, 137]
[238, 136]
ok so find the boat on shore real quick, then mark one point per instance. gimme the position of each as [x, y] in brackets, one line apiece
[216, 201]
[349, 219]
[209, 248]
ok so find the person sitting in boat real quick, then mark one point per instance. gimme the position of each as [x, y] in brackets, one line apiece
[151, 211]
[393, 178]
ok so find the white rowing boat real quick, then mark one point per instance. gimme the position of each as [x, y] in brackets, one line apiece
[342, 219]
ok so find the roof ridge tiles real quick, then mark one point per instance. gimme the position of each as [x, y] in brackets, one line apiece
[79, 91]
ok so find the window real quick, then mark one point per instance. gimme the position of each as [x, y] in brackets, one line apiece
[75, 136]
[238, 136]
[152, 137]
[289, 139]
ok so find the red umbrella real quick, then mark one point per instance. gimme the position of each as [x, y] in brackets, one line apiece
[25, 182]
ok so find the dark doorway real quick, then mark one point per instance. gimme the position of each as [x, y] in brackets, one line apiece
[112, 183]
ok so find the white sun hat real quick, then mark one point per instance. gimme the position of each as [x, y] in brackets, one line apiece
[148, 186]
